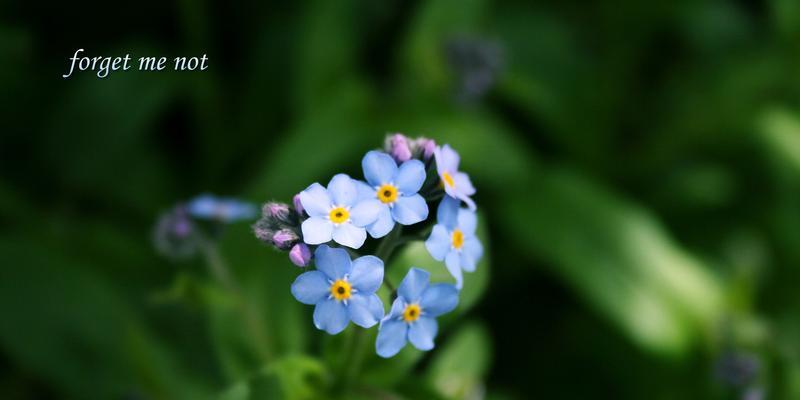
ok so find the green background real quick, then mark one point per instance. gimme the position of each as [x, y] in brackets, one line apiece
[637, 166]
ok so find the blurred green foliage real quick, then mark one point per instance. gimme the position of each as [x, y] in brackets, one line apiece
[638, 168]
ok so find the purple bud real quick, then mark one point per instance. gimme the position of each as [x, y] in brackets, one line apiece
[298, 205]
[278, 211]
[426, 146]
[300, 255]
[284, 239]
[399, 148]
[263, 233]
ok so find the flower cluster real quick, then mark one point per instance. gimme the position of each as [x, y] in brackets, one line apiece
[329, 224]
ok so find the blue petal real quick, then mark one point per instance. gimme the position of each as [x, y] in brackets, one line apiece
[342, 190]
[410, 210]
[467, 222]
[391, 337]
[463, 184]
[366, 212]
[364, 190]
[447, 159]
[311, 287]
[379, 168]
[333, 262]
[202, 206]
[365, 310]
[438, 243]
[331, 316]
[367, 274]
[410, 177]
[438, 299]
[422, 332]
[398, 306]
[471, 253]
[383, 225]
[238, 210]
[317, 230]
[315, 201]
[447, 213]
[349, 235]
[453, 264]
[413, 285]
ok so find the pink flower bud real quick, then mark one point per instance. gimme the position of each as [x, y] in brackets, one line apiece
[300, 255]
[284, 239]
[298, 205]
[399, 148]
[426, 147]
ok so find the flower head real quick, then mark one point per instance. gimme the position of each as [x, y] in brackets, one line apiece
[224, 210]
[453, 239]
[175, 234]
[337, 213]
[456, 184]
[392, 191]
[413, 313]
[342, 290]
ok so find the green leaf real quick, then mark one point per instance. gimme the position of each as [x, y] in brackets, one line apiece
[458, 369]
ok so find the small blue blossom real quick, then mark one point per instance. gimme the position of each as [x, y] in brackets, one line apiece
[393, 191]
[341, 290]
[225, 210]
[456, 184]
[336, 213]
[453, 239]
[413, 313]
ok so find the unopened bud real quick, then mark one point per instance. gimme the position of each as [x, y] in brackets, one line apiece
[300, 255]
[298, 205]
[398, 147]
[284, 239]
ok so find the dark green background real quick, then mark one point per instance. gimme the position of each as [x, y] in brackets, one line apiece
[637, 166]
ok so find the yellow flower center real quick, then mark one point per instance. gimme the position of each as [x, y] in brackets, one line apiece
[340, 290]
[387, 194]
[411, 313]
[339, 215]
[448, 179]
[458, 239]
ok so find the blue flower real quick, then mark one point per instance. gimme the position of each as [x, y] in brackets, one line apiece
[413, 312]
[453, 239]
[456, 184]
[336, 213]
[393, 191]
[220, 209]
[342, 290]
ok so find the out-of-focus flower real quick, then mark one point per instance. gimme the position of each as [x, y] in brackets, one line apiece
[399, 147]
[755, 393]
[175, 234]
[342, 290]
[393, 191]
[300, 255]
[456, 184]
[737, 369]
[224, 210]
[413, 313]
[453, 239]
[336, 213]
[476, 64]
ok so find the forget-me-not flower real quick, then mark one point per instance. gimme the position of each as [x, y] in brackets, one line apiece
[413, 313]
[342, 290]
[393, 190]
[226, 210]
[456, 183]
[336, 213]
[453, 239]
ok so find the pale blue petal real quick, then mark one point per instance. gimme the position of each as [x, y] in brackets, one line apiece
[317, 230]
[333, 262]
[467, 222]
[311, 287]
[438, 243]
[364, 190]
[398, 306]
[367, 274]
[366, 212]
[331, 316]
[383, 225]
[438, 299]
[447, 159]
[365, 310]
[422, 332]
[447, 213]
[410, 177]
[463, 184]
[203, 206]
[413, 285]
[453, 264]
[379, 168]
[315, 201]
[471, 253]
[349, 235]
[391, 337]
[342, 190]
[410, 210]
